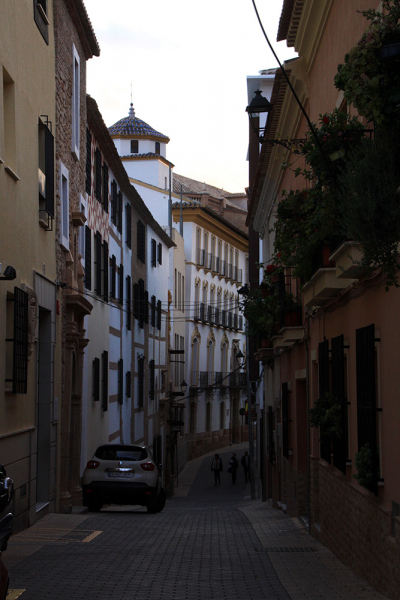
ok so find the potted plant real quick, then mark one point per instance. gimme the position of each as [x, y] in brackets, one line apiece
[327, 415]
[367, 463]
[262, 314]
[371, 84]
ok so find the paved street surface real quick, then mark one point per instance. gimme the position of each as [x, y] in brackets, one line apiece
[210, 542]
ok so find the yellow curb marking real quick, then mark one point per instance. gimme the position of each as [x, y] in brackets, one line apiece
[13, 594]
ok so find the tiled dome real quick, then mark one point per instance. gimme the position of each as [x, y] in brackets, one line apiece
[132, 126]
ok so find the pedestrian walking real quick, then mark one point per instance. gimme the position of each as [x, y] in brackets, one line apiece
[245, 462]
[217, 467]
[233, 467]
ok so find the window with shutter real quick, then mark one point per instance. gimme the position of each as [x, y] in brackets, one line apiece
[128, 218]
[136, 309]
[97, 242]
[140, 382]
[113, 202]
[153, 253]
[128, 302]
[113, 277]
[323, 380]
[141, 304]
[40, 15]
[105, 271]
[105, 187]
[338, 391]
[134, 146]
[121, 284]
[146, 307]
[153, 311]
[159, 254]
[285, 420]
[96, 380]
[104, 386]
[88, 258]
[120, 381]
[46, 171]
[152, 379]
[88, 185]
[159, 315]
[97, 167]
[17, 335]
[141, 242]
[119, 211]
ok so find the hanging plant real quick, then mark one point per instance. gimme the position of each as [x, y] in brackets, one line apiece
[370, 205]
[366, 465]
[327, 415]
[369, 83]
[261, 313]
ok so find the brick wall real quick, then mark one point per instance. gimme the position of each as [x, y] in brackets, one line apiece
[357, 530]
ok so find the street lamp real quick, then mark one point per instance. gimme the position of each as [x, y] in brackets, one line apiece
[184, 387]
[258, 105]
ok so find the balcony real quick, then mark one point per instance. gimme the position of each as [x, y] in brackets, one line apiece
[230, 320]
[324, 283]
[200, 379]
[203, 312]
[210, 314]
[217, 316]
[224, 318]
[347, 257]
[237, 380]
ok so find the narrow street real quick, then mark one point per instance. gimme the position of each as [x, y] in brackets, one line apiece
[210, 542]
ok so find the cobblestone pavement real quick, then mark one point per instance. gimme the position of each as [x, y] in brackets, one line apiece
[210, 542]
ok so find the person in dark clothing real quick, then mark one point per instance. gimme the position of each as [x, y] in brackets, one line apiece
[245, 462]
[233, 466]
[217, 467]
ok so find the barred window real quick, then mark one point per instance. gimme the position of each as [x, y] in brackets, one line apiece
[114, 206]
[120, 381]
[97, 240]
[113, 277]
[105, 187]
[128, 302]
[97, 166]
[121, 284]
[153, 253]
[105, 271]
[88, 185]
[141, 241]
[159, 315]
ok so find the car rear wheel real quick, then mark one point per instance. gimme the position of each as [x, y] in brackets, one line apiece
[94, 505]
[157, 503]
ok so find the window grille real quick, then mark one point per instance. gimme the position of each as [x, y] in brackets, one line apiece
[136, 310]
[141, 304]
[105, 187]
[97, 162]
[96, 380]
[323, 380]
[146, 307]
[128, 384]
[104, 387]
[153, 253]
[159, 255]
[366, 395]
[88, 258]
[20, 343]
[88, 184]
[114, 202]
[120, 381]
[119, 211]
[46, 169]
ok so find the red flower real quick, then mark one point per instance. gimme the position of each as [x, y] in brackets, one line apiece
[325, 119]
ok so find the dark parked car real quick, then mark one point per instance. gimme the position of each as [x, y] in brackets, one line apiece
[123, 474]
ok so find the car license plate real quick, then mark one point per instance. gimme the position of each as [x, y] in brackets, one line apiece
[124, 474]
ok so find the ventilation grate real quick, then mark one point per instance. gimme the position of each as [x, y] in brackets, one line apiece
[22, 491]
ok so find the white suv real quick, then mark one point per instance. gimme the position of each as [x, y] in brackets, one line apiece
[122, 474]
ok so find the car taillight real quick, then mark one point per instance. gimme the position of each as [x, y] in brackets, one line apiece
[148, 466]
[92, 464]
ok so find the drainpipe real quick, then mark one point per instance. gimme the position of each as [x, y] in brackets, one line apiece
[308, 436]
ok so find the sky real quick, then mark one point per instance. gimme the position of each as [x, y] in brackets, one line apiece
[186, 63]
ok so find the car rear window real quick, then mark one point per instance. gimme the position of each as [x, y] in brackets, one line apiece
[129, 453]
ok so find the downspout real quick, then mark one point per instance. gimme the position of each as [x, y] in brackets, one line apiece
[308, 434]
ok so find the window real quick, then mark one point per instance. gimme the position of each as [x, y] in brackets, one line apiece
[141, 242]
[88, 183]
[96, 380]
[128, 225]
[157, 147]
[152, 372]
[88, 258]
[113, 277]
[285, 420]
[46, 171]
[159, 253]
[41, 18]
[97, 261]
[97, 174]
[128, 302]
[192, 419]
[140, 382]
[324, 388]
[165, 183]
[81, 246]
[153, 253]
[64, 208]
[105, 271]
[121, 284]
[114, 202]
[17, 341]
[120, 381]
[105, 187]
[134, 146]
[159, 315]
[76, 73]
[9, 122]
[208, 416]
[222, 415]
[153, 311]
[104, 387]
[119, 211]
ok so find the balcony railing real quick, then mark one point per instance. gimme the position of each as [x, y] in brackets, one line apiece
[203, 314]
[217, 316]
[224, 318]
[230, 320]
[237, 380]
[235, 321]
[210, 314]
